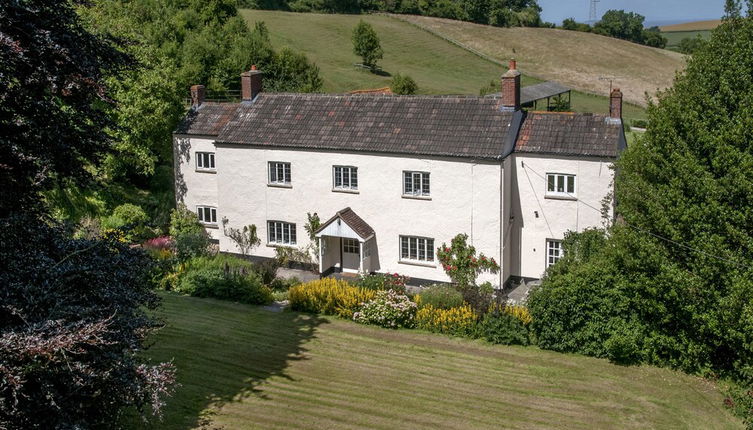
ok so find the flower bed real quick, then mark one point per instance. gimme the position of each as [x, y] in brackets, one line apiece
[329, 296]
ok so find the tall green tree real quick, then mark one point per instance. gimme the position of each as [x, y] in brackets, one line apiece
[366, 44]
[622, 25]
[673, 283]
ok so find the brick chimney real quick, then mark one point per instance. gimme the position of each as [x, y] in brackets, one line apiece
[250, 84]
[198, 93]
[511, 88]
[615, 104]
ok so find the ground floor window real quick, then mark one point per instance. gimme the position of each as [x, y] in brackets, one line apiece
[413, 248]
[207, 214]
[553, 251]
[280, 233]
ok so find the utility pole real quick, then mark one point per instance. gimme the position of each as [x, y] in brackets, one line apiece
[594, 15]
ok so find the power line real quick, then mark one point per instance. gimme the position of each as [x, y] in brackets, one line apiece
[682, 245]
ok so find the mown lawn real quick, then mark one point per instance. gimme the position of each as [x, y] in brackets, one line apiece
[438, 66]
[242, 367]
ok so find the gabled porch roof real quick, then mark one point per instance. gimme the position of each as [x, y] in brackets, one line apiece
[346, 223]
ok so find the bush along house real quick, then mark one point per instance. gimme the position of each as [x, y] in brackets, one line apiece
[393, 177]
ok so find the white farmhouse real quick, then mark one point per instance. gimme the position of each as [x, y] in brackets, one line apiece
[394, 177]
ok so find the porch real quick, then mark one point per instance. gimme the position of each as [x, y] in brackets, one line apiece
[347, 244]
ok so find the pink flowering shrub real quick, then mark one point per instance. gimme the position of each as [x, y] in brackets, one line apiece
[386, 281]
[388, 309]
[159, 243]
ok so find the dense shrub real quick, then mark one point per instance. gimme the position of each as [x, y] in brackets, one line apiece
[75, 314]
[388, 309]
[503, 328]
[190, 237]
[403, 85]
[329, 296]
[380, 282]
[440, 296]
[223, 277]
[267, 270]
[459, 321]
[131, 219]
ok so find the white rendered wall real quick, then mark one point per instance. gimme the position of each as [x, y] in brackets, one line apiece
[465, 198]
[195, 187]
[555, 217]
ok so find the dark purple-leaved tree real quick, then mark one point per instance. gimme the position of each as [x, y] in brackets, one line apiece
[73, 313]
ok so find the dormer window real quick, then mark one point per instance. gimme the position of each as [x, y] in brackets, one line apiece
[205, 161]
[560, 185]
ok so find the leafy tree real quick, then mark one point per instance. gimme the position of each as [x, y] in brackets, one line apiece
[403, 85]
[672, 284]
[366, 44]
[653, 37]
[622, 25]
[690, 45]
[190, 237]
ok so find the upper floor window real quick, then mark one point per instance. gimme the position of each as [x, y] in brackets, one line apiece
[554, 251]
[413, 248]
[560, 185]
[416, 183]
[207, 214]
[279, 173]
[345, 177]
[281, 233]
[205, 161]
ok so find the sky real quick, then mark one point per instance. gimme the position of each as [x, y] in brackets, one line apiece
[660, 12]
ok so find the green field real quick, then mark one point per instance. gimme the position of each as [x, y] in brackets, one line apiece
[242, 367]
[674, 37]
[438, 66]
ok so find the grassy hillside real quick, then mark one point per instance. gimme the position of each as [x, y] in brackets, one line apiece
[245, 367]
[438, 66]
[675, 37]
[692, 26]
[574, 58]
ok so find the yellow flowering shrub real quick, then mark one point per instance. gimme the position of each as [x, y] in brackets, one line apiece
[520, 312]
[329, 296]
[459, 321]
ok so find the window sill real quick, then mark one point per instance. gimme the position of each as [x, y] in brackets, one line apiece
[560, 197]
[412, 197]
[417, 263]
[280, 185]
[210, 225]
[345, 190]
[281, 245]
[206, 171]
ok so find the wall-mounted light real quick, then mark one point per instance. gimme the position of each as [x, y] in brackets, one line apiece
[536, 213]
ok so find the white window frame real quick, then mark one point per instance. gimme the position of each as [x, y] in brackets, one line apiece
[554, 252]
[205, 164]
[281, 233]
[410, 180]
[423, 247]
[201, 212]
[275, 168]
[351, 246]
[352, 178]
[559, 185]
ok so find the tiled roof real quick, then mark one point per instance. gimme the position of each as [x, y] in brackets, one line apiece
[570, 134]
[353, 221]
[207, 119]
[417, 125]
[383, 90]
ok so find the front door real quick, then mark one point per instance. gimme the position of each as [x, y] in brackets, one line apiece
[351, 255]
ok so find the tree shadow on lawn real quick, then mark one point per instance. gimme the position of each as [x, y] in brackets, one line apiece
[223, 353]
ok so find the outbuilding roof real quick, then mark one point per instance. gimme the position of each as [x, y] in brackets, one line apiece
[417, 125]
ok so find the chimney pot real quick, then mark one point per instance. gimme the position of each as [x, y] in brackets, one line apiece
[251, 84]
[198, 93]
[511, 88]
[615, 104]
